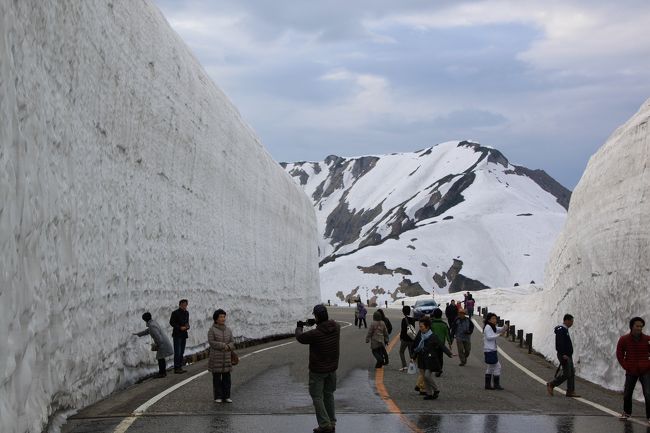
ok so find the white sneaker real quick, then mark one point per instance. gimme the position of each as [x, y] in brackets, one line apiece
[217, 400]
[228, 400]
[403, 369]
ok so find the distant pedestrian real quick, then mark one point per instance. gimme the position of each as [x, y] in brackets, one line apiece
[441, 329]
[469, 305]
[378, 338]
[633, 353]
[426, 350]
[564, 349]
[451, 312]
[356, 316]
[161, 344]
[406, 340]
[362, 314]
[220, 362]
[462, 332]
[490, 334]
[324, 346]
[180, 322]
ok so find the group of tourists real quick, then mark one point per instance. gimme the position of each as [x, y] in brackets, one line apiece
[220, 340]
[427, 345]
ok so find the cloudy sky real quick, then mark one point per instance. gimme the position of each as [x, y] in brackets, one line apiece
[544, 82]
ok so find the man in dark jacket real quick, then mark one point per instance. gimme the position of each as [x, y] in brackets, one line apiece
[451, 312]
[633, 353]
[324, 342]
[180, 322]
[564, 349]
[406, 342]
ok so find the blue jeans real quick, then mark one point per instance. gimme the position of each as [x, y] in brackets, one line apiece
[321, 390]
[179, 350]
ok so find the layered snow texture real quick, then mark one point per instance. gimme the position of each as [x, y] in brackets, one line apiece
[422, 212]
[599, 270]
[127, 181]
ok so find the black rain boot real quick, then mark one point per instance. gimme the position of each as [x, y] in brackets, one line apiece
[488, 381]
[497, 385]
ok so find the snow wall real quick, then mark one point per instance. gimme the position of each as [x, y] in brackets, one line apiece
[599, 270]
[127, 181]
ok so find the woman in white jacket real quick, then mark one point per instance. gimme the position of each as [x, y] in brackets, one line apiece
[490, 334]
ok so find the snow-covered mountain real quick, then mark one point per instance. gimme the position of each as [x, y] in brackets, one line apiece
[121, 192]
[456, 216]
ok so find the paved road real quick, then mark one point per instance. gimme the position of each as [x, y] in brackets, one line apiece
[270, 395]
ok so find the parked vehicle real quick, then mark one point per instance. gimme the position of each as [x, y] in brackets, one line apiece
[423, 307]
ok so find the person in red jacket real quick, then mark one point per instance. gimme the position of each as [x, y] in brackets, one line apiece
[633, 353]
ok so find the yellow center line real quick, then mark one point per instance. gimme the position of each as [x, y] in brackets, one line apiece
[383, 393]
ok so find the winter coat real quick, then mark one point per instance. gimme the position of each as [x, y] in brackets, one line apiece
[490, 338]
[362, 311]
[179, 318]
[462, 329]
[324, 346]
[377, 333]
[159, 337]
[441, 329]
[402, 333]
[221, 344]
[451, 312]
[469, 304]
[563, 344]
[634, 355]
[429, 357]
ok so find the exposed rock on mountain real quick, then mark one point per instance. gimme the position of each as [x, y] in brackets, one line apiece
[422, 211]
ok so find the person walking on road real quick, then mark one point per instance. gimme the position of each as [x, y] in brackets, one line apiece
[389, 328]
[427, 347]
[442, 331]
[469, 305]
[462, 332]
[324, 346]
[220, 362]
[362, 314]
[180, 322]
[451, 312]
[161, 344]
[406, 340]
[564, 349]
[493, 367]
[633, 353]
[378, 338]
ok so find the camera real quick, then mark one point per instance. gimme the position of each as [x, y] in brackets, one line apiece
[308, 322]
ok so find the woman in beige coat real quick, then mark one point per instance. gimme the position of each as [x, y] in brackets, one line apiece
[378, 338]
[221, 346]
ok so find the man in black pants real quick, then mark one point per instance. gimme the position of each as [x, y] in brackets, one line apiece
[564, 349]
[180, 321]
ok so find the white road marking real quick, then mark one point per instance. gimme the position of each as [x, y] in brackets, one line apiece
[123, 426]
[535, 377]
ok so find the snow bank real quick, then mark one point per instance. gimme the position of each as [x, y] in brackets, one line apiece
[127, 181]
[600, 267]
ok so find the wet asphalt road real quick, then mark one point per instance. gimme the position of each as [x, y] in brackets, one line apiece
[270, 394]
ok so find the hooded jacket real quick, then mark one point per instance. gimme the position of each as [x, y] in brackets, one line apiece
[563, 344]
[324, 346]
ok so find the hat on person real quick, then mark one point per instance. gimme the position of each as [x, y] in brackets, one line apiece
[461, 311]
[320, 312]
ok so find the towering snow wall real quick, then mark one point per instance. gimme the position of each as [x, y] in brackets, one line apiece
[127, 181]
[599, 270]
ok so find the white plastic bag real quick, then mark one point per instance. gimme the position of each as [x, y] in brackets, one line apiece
[412, 368]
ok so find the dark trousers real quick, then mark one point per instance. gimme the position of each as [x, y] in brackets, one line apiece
[568, 374]
[179, 351]
[378, 353]
[221, 385]
[365, 325]
[356, 320]
[630, 383]
[162, 366]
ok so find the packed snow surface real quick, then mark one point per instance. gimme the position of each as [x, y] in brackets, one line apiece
[127, 181]
[599, 269]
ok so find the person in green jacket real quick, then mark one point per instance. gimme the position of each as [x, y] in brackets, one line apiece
[441, 329]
